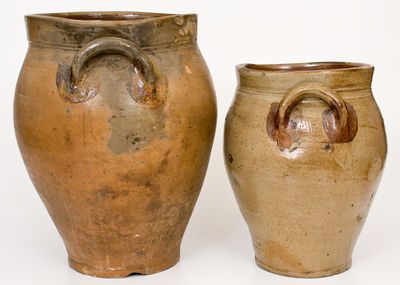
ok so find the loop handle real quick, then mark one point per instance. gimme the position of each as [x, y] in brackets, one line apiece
[69, 77]
[315, 90]
[341, 128]
[112, 45]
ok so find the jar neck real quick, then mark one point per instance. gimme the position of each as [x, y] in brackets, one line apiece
[147, 30]
[280, 78]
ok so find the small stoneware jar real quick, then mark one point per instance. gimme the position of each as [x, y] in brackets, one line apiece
[304, 148]
[115, 116]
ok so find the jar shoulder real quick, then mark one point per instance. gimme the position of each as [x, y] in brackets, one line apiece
[246, 133]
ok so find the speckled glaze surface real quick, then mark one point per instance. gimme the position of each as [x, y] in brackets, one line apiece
[115, 116]
[304, 149]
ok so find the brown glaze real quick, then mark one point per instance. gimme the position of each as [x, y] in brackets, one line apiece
[304, 149]
[340, 123]
[115, 116]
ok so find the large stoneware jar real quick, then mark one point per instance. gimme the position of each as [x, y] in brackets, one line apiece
[115, 116]
[304, 149]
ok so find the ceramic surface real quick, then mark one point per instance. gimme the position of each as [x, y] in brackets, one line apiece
[304, 148]
[115, 116]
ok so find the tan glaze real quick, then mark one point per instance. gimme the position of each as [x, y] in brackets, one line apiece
[115, 116]
[304, 148]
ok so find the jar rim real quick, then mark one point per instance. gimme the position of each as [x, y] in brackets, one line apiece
[306, 67]
[280, 78]
[147, 30]
[99, 17]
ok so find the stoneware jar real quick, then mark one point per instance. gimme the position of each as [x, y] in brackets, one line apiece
[304, 149]
[115, 116]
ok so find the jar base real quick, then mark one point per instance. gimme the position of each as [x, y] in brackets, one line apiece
[124, 272]
[316, 274]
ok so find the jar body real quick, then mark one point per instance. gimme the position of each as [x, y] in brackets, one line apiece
[119, 177]
[304, 204]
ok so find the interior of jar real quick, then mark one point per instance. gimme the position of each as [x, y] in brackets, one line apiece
[312, 66]
[106, 16]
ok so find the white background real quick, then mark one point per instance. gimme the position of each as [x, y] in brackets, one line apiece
[216, 248]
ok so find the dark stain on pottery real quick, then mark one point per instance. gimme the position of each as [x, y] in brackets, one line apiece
[127, 178]
[67, 138]
[63, 81]
[112, 194]
[271, 121]
[133, 124]
[154, 205]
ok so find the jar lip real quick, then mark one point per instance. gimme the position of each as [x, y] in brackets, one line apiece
[307, 67]
[102, 17]
[147, 30]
